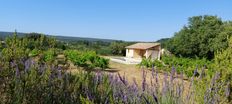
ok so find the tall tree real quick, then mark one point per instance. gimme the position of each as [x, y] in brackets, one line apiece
[198, 38]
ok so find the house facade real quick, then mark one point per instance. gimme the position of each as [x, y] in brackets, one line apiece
[144, 50]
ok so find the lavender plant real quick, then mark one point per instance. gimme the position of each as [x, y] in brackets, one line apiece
[30, 82]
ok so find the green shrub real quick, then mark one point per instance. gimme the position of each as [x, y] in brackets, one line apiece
[49, 55]
[223, 65]
[34, 53]
[149, 63]
[88, 59]
[185, 65]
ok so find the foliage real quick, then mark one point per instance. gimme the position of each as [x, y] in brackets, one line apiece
[34, 52]
[36, 83]
[1, 45]
[14, 49]
[202, 37]
[24, 80]
[100, 47]
[149, 63]
[164, 42]
[223, 65]
[40, 41]
[86, 59]
[49, 55]
[118, 48]
[186, 65]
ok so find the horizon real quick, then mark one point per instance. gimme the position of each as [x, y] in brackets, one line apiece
[130, 20]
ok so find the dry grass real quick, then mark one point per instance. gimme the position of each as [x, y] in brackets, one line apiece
[133, 71]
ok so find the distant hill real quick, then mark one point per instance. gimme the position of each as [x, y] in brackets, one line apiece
[3, 35]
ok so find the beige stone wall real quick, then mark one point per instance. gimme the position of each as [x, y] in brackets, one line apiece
[153, 53]
[139, 53]
[129, 53]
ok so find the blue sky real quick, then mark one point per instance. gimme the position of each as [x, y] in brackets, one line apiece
[140, 20]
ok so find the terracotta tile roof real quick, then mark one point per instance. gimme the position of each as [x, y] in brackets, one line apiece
[143, 45]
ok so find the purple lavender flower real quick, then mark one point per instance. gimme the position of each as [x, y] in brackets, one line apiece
[59, 74]
[17, 71]
[172, 74]
[12, 64]
[122, 80]
[98, 78]
[227, 90]
[156, 78]
[125, 98]
[135, 88]
[144, 81]
[27, 65]
[155, 98]
[214, 79]
[195, 72]
[42, 68]
[178, 91]
[165, 84]
[202, 72]
[151, 81]
[153, 71]
[135, 83]
[111, 78]
[146, 100]
[182, 83]
[189, 89]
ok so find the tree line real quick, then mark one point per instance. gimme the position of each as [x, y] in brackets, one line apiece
[202, 37]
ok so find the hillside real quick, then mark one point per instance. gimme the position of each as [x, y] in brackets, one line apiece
[3, 35]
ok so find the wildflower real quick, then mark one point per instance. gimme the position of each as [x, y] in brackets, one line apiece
[172, 74]
[42, 68]
[153, 71]
[165, 86]
[147, 101]
[27, 65]
[17, 71]
[122, 79]
[59, 73]
[195, 72]
[144, 81]
[202, 72]
[227, 90]
[111, 79]
[156, 78]
[155, 98]
[135, 83]
[125, 98]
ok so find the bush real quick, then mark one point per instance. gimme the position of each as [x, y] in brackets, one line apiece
[34, 52]
[88, 59]
[36, 83]
[149, 63]
[223, 65]
[49, 55]
[185, 65]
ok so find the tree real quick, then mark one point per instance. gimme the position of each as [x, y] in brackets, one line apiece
[201, 37]
[118, 47]
[40, 41]
[221, 41]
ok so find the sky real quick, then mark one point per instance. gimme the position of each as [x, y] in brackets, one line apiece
[130, 20]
